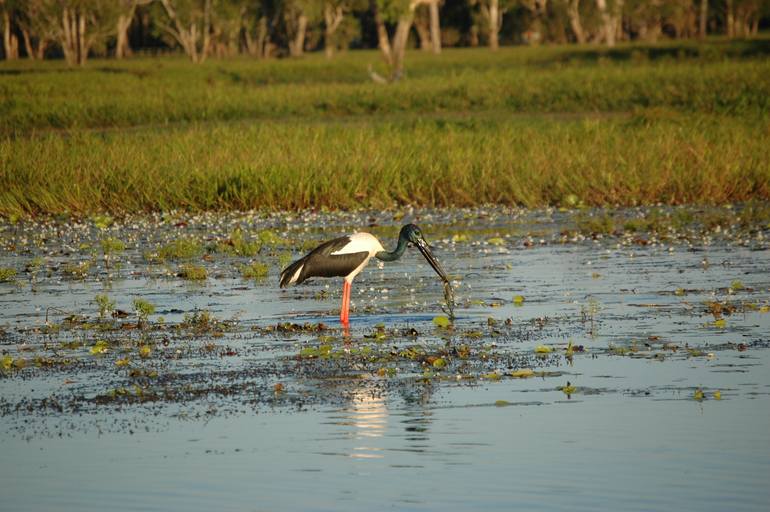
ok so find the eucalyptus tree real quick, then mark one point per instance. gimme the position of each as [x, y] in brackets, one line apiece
[428, 24]
[335, 14]
[125, 17]
[573, 13]
[10, 41]
[36, 31]
[78, 26]
[400, 12]
[257, 19]
[226, 27]
[297, 16]
[611, 15]
[188, 23]
[492, 13]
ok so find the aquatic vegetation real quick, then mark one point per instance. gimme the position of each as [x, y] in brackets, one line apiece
[254, 270]
[237, 245]
[193, 272]
[106, 306]
[143, 310]
[268, 237]
[102, 221]
[179, 249]
[524, 373]
[202, 322]
[442, 322]
[112, 245]
[100, 347]
[7, 274]
[77, 270]
[568, 390]
[597, 223]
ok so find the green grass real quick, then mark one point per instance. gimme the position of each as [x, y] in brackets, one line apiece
[193, 272]
[254, 270]
[669, 124]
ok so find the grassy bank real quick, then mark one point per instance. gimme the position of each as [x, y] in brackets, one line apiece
[638, 125]
[442, 161]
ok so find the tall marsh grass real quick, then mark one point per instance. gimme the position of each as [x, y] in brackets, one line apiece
[672, 123]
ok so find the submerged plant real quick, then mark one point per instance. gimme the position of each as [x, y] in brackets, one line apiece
[105, 305]
[143, 310]
[193, 272]
[238, 245]
[7, 274]
[179, 249]
[77, 270]
[254, 270]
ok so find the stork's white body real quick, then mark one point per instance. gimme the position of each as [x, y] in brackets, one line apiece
[360, 242]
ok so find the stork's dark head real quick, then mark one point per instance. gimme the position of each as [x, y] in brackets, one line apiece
[413, 235]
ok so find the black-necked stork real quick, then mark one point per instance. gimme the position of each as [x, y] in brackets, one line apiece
[348, 255]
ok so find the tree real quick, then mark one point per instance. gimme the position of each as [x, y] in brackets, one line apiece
[256, 20]
[77, 25]
[573, 13]
[393, 52]
[126, 16]
[189, 24]
[10, 41]
[298, 15]
[703, 18]
[611, 17]
[492, 12]
[428, 26]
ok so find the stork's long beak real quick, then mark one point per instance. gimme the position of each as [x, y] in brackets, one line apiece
[424, 248]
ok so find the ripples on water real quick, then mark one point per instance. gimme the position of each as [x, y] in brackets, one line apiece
[631, 438]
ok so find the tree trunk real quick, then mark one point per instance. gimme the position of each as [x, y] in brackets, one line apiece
[730, 19]
[608, 27]
[332, 19]
[256, 47]
[297, 44]
[382, 38]
[703, 18]
[494, 18]
[573, 12]
[122, 47]
[399, 44]
[422, 26]
[82, 47]
[31, 53]
[611, 21]
[10, 41]
[435, 28]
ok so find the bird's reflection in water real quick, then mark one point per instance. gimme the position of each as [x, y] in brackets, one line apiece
[365, 422]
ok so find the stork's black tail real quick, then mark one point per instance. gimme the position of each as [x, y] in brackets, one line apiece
[295, 269]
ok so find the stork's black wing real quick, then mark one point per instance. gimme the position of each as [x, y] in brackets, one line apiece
[320, 262]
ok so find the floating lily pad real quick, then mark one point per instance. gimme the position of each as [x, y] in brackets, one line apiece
[441, 321]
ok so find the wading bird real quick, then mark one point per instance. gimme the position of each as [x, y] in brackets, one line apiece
[348, 255]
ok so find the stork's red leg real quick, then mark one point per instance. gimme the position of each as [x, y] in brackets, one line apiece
[345, 311]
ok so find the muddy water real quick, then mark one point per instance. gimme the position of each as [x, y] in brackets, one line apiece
[667, 405]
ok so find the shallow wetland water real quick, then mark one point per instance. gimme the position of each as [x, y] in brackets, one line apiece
[598, 360]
